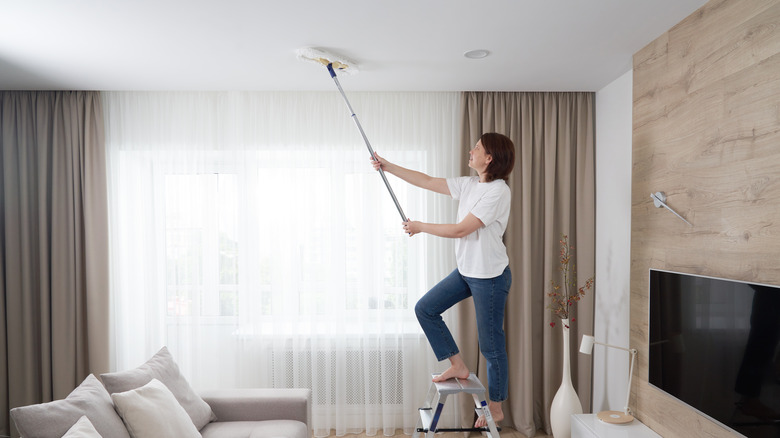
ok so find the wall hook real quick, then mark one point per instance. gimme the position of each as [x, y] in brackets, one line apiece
[659, 200]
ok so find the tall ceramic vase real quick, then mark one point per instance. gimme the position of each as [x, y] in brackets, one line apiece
[566, 402]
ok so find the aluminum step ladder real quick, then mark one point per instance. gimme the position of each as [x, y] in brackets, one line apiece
[430, 413]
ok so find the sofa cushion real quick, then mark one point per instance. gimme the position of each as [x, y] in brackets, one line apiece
[163, 368]
[82, 429]
[152, 411]
[256, 429]
[53, 419]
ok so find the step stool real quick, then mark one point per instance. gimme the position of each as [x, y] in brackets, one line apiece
[430, 413]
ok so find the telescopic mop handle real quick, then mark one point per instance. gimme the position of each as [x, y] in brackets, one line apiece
[368, 144]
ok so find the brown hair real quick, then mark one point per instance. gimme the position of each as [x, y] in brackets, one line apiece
[502, 150]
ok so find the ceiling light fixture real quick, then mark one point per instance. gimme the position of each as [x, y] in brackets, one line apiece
[476, 54]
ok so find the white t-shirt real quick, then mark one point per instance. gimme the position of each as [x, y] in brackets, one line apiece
[482, 254]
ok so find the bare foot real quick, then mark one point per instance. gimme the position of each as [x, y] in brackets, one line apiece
[457, 369]
[495, 411]
[452, 373]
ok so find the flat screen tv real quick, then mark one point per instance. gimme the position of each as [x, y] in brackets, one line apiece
[714, 345]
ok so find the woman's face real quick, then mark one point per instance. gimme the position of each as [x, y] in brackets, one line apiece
[478, 158]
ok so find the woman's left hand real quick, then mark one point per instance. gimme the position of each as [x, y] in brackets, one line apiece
[412, 227]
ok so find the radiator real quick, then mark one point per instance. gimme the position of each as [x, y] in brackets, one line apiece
[342, 378]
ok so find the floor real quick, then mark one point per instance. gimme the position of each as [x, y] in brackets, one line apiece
[505, 433]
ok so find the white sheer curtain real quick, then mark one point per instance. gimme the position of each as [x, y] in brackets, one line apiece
[250, 234]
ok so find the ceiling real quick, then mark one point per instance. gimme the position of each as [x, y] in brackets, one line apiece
[398, 45]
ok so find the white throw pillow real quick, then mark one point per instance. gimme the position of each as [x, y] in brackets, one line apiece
[82, 429]
[163, 368]
[152, 411]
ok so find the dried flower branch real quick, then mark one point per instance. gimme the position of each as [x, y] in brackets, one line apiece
[564, 296]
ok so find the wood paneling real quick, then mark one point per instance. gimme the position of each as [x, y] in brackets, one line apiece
[706, 131]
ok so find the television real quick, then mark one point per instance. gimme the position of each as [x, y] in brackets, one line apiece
[713, 344]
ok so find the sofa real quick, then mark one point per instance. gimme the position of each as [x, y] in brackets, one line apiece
[155, 400]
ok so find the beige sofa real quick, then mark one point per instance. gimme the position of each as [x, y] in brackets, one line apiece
[154, 400]
[259, 413]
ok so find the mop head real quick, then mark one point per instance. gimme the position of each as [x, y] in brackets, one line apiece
[339, 63]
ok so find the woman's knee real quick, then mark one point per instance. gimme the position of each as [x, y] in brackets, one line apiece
[421, 310]
[494, 353]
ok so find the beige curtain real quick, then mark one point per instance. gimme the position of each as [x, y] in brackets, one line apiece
[553, 192]
[53, 234]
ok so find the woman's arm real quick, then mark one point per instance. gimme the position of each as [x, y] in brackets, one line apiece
[468, 225]
[419, 179]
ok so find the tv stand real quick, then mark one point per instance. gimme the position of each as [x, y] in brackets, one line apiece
[588, 426]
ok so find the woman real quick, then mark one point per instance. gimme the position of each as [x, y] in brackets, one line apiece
[483, 264]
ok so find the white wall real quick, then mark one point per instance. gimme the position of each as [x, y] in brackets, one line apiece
[613, 242]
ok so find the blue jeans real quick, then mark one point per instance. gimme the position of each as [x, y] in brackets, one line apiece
[489, 302]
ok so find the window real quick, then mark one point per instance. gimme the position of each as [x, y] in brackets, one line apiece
[250, 235]
[201, 244]
[269, 235]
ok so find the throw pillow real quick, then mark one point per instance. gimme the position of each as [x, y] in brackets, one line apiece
[82, 429]
[163, 368]
[53, 419]
[152, 411]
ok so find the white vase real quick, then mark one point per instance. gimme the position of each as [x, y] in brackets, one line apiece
[566, 402]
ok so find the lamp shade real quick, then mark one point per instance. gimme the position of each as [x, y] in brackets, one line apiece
[586, 347]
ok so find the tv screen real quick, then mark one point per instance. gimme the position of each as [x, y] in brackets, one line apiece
[713, 345]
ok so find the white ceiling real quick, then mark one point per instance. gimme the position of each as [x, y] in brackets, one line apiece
[399, 45]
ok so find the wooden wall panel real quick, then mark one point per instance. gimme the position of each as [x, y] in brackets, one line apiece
[706, 131]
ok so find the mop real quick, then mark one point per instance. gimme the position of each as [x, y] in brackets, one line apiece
[343, 65]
